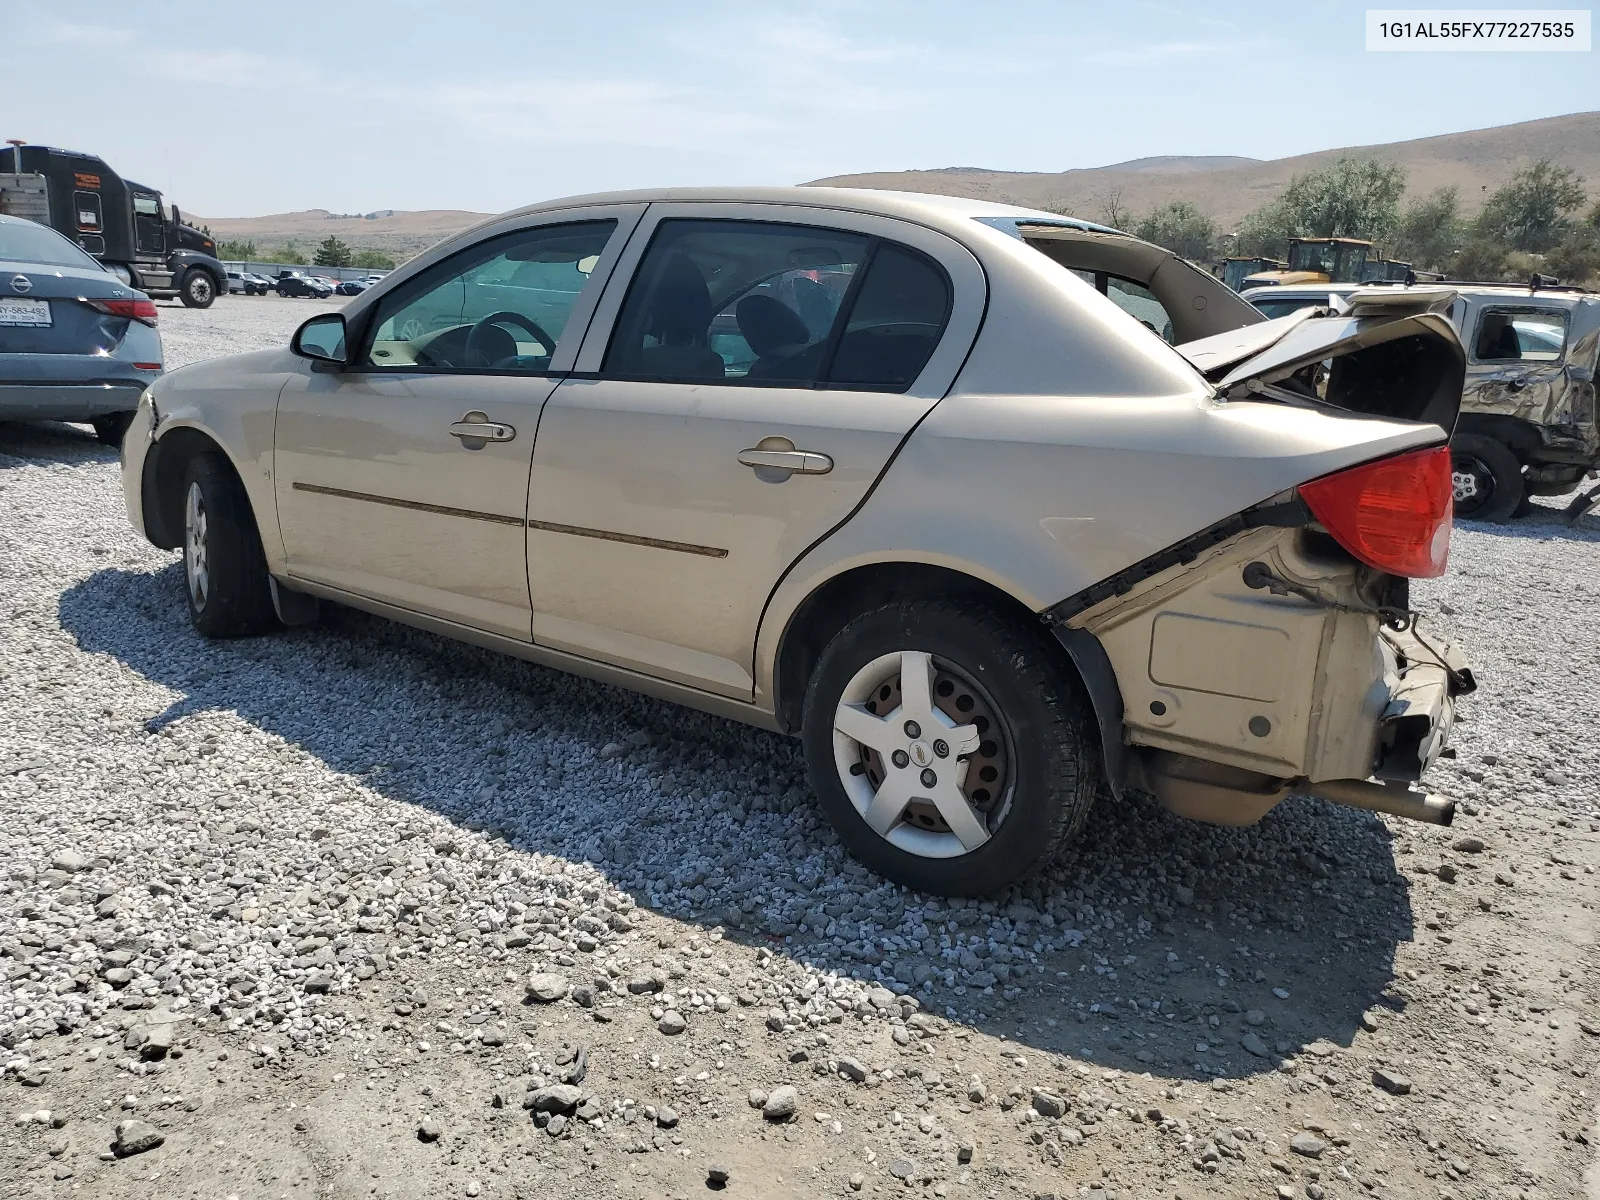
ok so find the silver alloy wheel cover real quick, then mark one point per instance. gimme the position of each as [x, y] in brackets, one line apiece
[196, 553]
[200, 286]
[1465, 485]
[882, 808]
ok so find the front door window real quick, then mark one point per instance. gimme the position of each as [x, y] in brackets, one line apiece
[500, 306]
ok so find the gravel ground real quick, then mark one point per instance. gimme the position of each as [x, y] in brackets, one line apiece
[354, 911]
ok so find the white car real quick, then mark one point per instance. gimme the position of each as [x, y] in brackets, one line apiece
[920, 481]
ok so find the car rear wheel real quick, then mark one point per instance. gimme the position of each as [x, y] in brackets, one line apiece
[198, 289]
[949, 745]
[224, 569]
[1486, 477]
[110, 428]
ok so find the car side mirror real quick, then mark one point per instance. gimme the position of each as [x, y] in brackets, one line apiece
[322, 339]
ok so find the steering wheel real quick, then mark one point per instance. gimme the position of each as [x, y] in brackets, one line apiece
[474, 353]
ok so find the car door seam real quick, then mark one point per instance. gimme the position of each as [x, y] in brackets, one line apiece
[955, 378]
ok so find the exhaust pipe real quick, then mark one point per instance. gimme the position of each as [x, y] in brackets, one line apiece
[1396, 801]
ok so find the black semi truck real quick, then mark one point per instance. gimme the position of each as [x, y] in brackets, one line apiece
[123, 224]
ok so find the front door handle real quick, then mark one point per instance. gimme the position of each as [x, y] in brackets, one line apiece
[476, 427]
[799, 462]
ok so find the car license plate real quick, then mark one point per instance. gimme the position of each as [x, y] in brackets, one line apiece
[24, 312]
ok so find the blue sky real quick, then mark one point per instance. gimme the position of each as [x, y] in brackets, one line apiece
[244, 109]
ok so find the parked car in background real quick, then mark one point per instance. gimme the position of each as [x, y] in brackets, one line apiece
[245, 283]
[292, 283]
[352, 287]
[1528, 422]
[76, 343]
[910, 478]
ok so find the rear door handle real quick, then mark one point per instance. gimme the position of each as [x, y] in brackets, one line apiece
[800, 462]
[482, 431]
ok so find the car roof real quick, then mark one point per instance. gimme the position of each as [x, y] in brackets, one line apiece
[928, 207]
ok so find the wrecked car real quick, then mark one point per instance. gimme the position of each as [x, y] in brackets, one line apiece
[922, 482]
[1528, 425]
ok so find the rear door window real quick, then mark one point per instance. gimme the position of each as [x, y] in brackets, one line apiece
[1520, 334]
[757, 303]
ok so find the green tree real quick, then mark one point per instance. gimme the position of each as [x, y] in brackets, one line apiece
[331, 252]
[372, 260]
[1576, 258]
[1532, 211]
[1430, 230]
[1481, 257]
[1181, 228]
[242, 251]
[289, 256]
[1355, 197]
[1266, 231]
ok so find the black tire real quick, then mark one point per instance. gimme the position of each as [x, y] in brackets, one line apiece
[1053, 758]
[1492, 472]
[198, 289]
[236, 600]
[110, 428]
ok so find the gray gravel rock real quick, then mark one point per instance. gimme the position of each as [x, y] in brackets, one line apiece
[672, 1023]
[556, 1098]
[136, 1137]
[1048, 1104]
[429, 1130]
[544, 987]
[780, 1103]
[1392, 1082]
[1307, 1144]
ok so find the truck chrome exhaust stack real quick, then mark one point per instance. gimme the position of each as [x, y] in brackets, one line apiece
[1396, 801]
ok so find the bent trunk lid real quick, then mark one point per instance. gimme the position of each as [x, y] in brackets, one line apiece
[1388, 354]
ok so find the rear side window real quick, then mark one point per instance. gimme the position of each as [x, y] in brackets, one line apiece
[777, 305]
[1132, 298]
[1520, 335]
[895, 323]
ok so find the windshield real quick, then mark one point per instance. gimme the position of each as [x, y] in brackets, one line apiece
[27, 242]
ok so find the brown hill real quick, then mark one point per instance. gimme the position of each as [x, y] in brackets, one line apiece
[1225, 186]
[398, 233]
[1477, 162]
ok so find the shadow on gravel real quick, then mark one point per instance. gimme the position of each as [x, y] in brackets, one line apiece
[1544, 521]
[1154, 938]
[51, 441]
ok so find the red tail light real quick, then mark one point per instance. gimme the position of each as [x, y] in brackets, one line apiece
[1393, 514]
[142, 310]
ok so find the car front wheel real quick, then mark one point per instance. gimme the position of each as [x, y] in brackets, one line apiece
[198, 289]
[224, 570]
[949, 745]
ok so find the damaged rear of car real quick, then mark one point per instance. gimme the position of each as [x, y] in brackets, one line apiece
[1278, 651]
